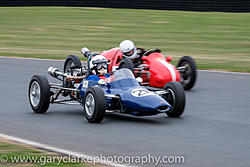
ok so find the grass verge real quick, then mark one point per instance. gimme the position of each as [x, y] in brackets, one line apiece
[216, 40]
[16, 154]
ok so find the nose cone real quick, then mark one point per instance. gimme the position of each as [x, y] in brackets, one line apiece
[155, 105]
[163, 108]
[148, 105]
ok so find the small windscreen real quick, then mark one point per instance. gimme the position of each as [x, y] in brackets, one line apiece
[120, 74]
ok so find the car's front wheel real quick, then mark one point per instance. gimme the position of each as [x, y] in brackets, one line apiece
[39, 94]
[94, 104]
[175, 97]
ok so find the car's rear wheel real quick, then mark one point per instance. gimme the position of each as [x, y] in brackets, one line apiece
[175, 97]
[127, 63]
[94, 104]
[188, 72]
[71, 61]
[39, 94]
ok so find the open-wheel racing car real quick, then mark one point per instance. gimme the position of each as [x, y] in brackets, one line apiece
[121, 92]
[153, 68]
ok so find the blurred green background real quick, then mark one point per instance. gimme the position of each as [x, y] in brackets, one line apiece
[215, 40]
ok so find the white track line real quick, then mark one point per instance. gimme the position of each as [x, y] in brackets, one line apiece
[54, 149]
[226, 72]
[28, 58]
[24, 58]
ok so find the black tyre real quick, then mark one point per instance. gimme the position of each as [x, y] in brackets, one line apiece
[188, 76]
[94, 104]
[127, 63]
[39, 94]
[175, 97]
[71, 61]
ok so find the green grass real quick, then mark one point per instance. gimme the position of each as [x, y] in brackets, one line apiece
[216, 40]
[13, 150]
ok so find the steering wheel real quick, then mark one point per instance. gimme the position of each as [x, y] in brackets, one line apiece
[148, 52]
[140, 51]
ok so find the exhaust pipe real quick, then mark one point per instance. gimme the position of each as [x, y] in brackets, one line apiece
[54, 72]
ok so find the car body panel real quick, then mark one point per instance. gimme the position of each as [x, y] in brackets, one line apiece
[114, 56]
[135, 99]
[159, 71]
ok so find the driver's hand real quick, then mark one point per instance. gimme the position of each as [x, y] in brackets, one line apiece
[139, 79]
[101, 82]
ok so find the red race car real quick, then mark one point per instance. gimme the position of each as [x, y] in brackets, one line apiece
[153, 68]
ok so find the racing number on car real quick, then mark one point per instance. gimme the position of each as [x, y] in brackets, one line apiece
[85, 84]
[141, 92]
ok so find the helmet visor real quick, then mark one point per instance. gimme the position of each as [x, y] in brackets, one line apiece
[129, 53]
[101, 65]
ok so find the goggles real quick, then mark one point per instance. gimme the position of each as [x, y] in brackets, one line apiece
[101, 65]
[129, 53]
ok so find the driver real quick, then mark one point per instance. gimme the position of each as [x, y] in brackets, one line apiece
[99, 68]
[128, 49]
[131, 52]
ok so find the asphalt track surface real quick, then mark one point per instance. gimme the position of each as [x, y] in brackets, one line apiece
[213, 131]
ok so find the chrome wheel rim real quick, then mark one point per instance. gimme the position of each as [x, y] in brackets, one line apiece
[35, 94]
[186, 75]
[90, 104]
[171, 96]
[69, 64]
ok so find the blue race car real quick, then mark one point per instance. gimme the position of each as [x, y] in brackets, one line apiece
[120, 93]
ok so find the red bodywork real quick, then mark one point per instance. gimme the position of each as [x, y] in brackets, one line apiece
[114, 56]
[155, 70]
